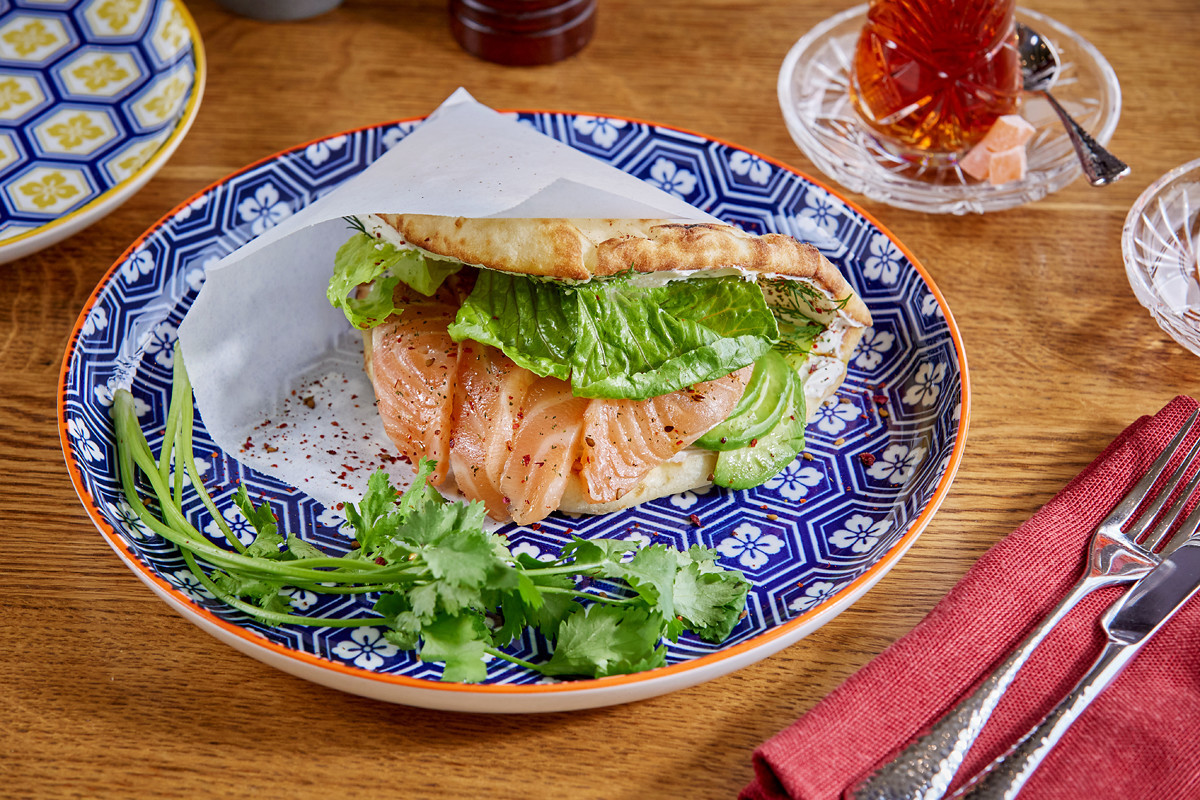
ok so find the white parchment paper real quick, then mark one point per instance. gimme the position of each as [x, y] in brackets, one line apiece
[278, 372]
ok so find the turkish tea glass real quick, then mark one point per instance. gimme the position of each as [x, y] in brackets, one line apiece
[930, 77]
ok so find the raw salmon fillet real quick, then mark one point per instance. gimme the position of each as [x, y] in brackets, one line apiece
[513, 439]
[489, 394]
[625, 439]
[414, 367]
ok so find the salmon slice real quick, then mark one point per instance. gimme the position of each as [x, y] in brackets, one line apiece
[414, 365]
[514, 440]
[487, 398]
[545, 445]
[624, 439]
[516, 436]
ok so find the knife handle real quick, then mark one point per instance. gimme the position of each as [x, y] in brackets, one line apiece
[1005, 776]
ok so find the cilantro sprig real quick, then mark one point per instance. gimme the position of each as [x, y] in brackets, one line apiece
[441, 585]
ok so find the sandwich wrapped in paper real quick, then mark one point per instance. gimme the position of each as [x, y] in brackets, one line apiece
[580, 363]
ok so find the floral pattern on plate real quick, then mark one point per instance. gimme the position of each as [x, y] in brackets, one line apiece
[879, 454]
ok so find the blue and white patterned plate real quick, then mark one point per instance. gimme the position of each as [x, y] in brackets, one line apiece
[95, 95]
[879, 461]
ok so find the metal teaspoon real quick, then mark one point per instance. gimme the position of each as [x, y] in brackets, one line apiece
[1039, 68]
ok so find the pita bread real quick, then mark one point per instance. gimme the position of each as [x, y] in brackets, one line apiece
[581, 249]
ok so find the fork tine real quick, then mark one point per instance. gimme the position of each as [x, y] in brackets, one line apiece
[1157, 535]
[1130, 502]
[1186, 531]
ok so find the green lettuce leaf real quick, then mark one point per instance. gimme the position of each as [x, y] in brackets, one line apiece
[530, 320]
[363, 259]
[614, 339]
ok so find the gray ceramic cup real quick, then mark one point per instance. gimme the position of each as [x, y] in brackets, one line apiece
[280, 10]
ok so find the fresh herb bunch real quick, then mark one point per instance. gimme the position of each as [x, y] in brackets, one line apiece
[443, 586]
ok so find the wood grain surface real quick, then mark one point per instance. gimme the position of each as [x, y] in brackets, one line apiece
[106, 693]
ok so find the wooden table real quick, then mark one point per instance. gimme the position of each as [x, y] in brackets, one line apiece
[107, 693]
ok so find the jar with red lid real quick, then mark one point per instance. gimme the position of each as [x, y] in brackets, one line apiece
[522, 32]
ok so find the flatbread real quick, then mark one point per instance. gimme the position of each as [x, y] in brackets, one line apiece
[581, 249]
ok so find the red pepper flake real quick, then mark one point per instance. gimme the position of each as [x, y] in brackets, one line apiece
[525, 459]
[695, 519]
[281, 425]
[866, 458]
[270, 449]
[381, 561]
[880, 399]
[754, 442]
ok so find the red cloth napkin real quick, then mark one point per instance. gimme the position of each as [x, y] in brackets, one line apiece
[1140, 739]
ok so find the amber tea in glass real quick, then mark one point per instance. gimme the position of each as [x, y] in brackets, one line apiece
[932, 76]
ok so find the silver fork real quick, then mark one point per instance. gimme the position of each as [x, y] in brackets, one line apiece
[925, 769]
[1127, 634]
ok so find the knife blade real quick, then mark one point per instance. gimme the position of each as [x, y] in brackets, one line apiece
[1129, 624]
[1153, 600]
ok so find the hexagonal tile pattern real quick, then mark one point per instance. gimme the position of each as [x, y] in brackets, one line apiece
[10, 152]
[108, 19]
[169, 36]
[129, 159]
[99, 74]
[48, 190]
[21, 95]
[75, 132]
[33, 39]
[161, 100]
[96, 89]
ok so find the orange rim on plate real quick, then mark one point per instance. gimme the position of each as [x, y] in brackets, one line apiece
[859, 584]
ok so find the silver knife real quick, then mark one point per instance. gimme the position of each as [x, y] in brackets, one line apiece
[1129, 624]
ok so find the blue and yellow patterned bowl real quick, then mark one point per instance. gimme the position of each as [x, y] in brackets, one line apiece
[95, 95]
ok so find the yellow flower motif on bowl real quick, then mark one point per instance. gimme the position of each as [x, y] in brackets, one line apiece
[75, 131]
[118, 13]
[12, 94]
[100, 73]
[141, 155]
[172, 34]
[51, 189]
[164, 105]
[31, 38]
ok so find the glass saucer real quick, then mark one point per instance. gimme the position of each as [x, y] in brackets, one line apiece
[1161, 245]
[814, 95]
